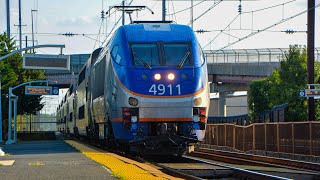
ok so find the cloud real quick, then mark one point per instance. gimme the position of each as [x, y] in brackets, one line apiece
[77, 21]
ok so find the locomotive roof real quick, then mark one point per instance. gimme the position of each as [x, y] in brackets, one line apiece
[157, 32]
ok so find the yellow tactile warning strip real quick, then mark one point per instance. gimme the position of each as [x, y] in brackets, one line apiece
[7, 162]
[121, 167]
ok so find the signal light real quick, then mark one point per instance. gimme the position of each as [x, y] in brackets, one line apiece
[202, 111]
[157, 77]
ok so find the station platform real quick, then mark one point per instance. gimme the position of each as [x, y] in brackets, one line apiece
[67, 159]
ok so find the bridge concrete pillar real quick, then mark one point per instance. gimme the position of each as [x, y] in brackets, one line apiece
[222, 104]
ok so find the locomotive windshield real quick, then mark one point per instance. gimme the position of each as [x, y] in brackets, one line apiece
[177, 54]
[173, 55]
[145, 54]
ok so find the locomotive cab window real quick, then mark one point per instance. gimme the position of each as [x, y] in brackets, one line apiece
[145, 55]
[172, 54]
[177, 55]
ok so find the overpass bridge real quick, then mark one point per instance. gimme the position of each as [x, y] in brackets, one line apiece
[233, 70]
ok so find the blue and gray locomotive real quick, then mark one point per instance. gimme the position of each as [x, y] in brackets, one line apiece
[146, 90]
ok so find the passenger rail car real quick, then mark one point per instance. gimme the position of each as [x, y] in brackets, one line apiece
[146, 90]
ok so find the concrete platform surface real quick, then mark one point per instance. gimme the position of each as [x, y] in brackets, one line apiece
[49, 160]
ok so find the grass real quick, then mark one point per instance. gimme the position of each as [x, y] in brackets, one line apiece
[1, 164]
[7, 154]
[36, 164]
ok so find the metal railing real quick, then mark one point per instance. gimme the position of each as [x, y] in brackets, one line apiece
[267, 55]
[292, 138]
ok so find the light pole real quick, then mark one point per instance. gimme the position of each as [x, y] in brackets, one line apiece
[1, 139]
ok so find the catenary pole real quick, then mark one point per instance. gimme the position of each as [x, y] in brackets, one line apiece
[8, 18]
[123, 15]
[310, 51]
[20, 26]
[163, 10]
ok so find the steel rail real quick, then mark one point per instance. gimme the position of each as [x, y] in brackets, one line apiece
[257, 159]
[252, 174]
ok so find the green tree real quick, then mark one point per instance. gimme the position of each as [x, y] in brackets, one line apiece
[13, 75]
[283, 86]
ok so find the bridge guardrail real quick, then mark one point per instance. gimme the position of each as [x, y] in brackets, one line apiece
[249, 55]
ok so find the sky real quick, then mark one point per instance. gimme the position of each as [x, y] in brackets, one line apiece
[84, 17]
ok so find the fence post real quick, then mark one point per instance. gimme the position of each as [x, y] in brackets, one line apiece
[310, 135]
[234, 137]
[243, 144]
[265, 137]
[217, 134]
[292, 126]
[278, 139]
[225, 135]
[254, 138]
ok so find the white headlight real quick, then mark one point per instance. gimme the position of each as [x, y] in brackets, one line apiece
[171, 76]
[157, 77]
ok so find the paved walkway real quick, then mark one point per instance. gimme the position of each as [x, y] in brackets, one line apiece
[49, 160]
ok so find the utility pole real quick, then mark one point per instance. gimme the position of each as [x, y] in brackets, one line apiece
[20, 28]
[8, 18]
[26, 41]
[310, 51]
[123, 15]
[163, 10]
[32, 10]
[191, 14]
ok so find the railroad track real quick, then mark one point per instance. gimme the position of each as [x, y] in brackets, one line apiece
[246, 159]
[196, 165]
[187, 167]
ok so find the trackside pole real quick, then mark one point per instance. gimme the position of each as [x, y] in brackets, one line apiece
[15, 101]
[10, 141]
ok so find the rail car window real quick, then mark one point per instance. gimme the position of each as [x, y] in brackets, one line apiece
[202, 58]
[99, 78]
[145, 54]
[70, 117]
[115, 55]
[81, 112]
[176, 54]
[82, 75]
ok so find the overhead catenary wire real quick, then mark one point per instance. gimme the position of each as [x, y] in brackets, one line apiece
[221, 31]
[268, 27]
[113, 28]
[262, 9]
[205, 12]
[174, 15]
[150, 8]
[275, 31]
[188, 8]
